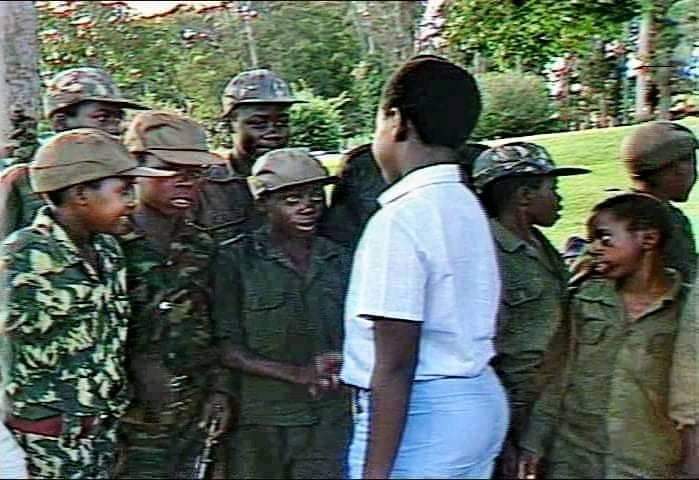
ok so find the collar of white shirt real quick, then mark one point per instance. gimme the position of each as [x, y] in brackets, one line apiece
[421, 177]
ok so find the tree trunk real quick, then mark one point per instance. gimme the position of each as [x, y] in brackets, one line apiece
[643, 110]
[430, 38]
[19, 74]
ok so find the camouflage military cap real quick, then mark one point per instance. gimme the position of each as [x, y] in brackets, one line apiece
[83, 155]
[517, 158]
[171, 138]
[256, 86]
[286, 167]
[655, 145]
[76, 85]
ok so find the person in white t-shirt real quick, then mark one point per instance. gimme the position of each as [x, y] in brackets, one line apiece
[424, 292]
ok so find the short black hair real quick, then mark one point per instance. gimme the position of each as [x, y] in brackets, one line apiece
[642, 211]
[440, 99]
[497, 194]
[468, 153]
[59, 197]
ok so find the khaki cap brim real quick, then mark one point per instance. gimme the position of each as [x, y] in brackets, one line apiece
[123, 102]
[253, 101]
[195, 158]
[257, 191]
[145, 172]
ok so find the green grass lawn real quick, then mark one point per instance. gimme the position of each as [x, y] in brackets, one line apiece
[598, 150]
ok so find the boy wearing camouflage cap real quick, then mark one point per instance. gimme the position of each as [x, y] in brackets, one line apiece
[255, 103]
[63, 309]
[279, 293]
[517, 183]
[84, 97]
[172, 360]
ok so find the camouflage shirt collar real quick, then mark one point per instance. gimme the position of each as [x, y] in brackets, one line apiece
[602, 290]
[49, 227]
[321, 250]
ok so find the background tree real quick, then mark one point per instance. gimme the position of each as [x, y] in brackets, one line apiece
[19, 76]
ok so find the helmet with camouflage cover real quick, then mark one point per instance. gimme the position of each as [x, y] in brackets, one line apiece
[76, 85]
[256, 86]
[517, 158]
[286, 167]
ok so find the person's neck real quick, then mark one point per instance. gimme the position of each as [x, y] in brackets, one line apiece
[648, 279]
[241, 161]
[415, 155]
[644, 187]
[74, 227]
[156, 225]
[297, 249]
[517, 222]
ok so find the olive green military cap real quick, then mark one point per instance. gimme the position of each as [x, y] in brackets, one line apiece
[171, 138]
[256, 86]
[76, 85]
[83, 155]
[286, 167]
[517, 158]
[655, 145]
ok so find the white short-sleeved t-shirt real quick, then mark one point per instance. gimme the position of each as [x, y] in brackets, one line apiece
[426, 256]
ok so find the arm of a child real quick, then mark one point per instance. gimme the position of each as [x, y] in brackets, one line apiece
[684, 384]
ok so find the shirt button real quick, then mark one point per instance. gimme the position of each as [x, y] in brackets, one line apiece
[169, 263]
[171, 356]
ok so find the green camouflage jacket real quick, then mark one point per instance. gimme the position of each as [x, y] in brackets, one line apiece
[267, 307]
[609, 414]
[62, 325]
[18, 203]
[530, 318]
[681, 251]
[226, 207]
[170, 296]
[354, 198]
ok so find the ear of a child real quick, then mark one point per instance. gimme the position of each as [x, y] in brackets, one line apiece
[649, 239]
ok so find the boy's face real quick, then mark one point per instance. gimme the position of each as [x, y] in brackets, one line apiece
[545, 204]
[680, 180]
[107, 208]
[383, 145]
[295, 211]
[89, 114]
[171, 195]
[261, 128]
[616, 251]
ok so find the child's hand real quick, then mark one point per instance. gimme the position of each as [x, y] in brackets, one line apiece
[328, 367]
[528, 465]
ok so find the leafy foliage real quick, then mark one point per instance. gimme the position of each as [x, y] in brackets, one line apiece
[530, 34]
[317, 124]
[513, 104]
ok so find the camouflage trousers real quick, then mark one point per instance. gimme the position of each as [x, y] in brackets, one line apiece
[160, 450]
[71, 455]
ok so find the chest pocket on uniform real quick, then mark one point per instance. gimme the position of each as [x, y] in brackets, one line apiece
[264, 320]
[519, 294]
[594, 325]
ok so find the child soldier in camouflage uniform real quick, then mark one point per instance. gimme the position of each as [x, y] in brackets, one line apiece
[613, 411]
[83, 97]
[517, 184]
[63, 307]
[280, 292]
[255, 104]
[171, 346]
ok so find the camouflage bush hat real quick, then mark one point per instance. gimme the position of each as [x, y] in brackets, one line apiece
[655, 145]
[171, 138]
[517, 158]
[286, 167]
[83, 155]
[76, 85]
[256, 86]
